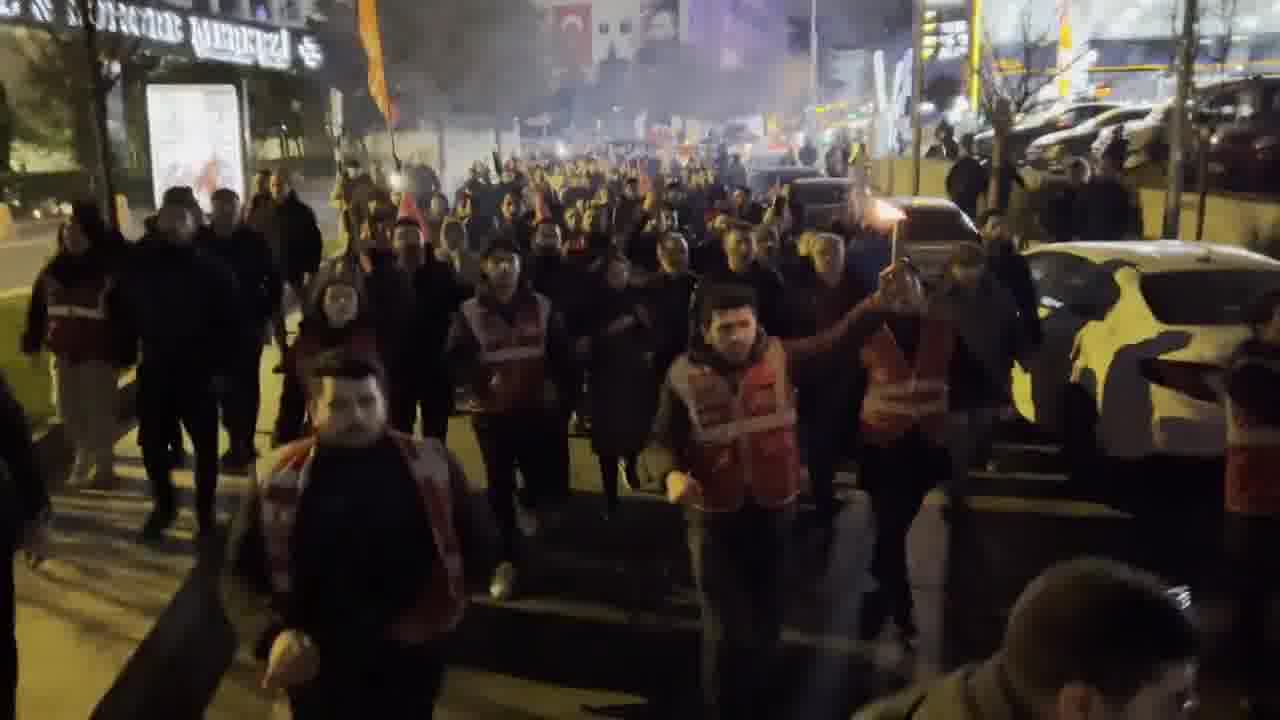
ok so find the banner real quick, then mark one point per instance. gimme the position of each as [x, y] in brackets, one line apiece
[371, 39]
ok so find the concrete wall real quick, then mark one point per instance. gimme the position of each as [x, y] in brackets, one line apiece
[1229, 219]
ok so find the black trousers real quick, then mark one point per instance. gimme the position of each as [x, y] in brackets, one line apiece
[738, 561]
[422, 392]
[398, 683]
[9, 648]
[167, 397]
[609, 475]
[533, 442]
[897, 478]
[1253, 581]
[243, 399]
[292, 417]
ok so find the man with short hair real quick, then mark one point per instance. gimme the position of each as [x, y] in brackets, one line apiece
[181, 307]
[1087, 639]
[724, 446]
[260, 290]
[301, 242]
[510, 345]
[346, 564]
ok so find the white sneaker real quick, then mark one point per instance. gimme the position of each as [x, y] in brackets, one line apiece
[503, 584]
[527, 521]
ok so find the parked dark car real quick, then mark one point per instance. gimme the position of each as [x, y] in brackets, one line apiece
[1242, 119]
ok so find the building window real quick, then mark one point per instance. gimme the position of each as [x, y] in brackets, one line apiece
[625, 27]
[604, 28]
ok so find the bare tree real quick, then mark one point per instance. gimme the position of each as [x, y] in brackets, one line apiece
[73, 63]
[1013, 86]
[1218, 20]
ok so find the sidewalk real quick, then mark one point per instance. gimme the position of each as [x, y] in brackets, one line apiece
[85, 610]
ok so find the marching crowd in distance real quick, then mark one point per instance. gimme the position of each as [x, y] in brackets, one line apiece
[713, 346]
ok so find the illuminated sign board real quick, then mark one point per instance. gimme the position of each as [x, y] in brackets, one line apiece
[195, 133]
[205, 38]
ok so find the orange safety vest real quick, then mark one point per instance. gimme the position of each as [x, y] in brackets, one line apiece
[78, 324]
[1253, 459]
[514, 354]
[900, 395]
[441, 605]
[744, 441]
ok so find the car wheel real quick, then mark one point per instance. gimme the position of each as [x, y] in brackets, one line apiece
[1079, 435]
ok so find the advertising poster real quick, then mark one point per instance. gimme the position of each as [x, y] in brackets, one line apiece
[195, 139]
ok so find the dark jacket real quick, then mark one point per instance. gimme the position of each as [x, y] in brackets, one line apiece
[463, 352]
[26, 495]
[258, 614]
[622, 379]
[302, 243]
[991, 335]
[563, 283]
[181, 306]
[1108, 210]
[670, 298]
[671, 440]
[1013, 272]
[258, 279]
[70, 271]
[389, 289]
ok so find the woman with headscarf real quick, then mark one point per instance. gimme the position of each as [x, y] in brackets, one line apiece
[622, 385]
[74, 314]
[336, 316]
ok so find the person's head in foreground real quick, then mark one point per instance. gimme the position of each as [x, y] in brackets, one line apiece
[1089, 639]
[728, 321]
[348, 405]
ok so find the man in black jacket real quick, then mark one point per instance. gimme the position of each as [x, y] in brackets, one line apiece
[301, 242]
[258, 281]
[181, 306]
[1012, 271]
[26, 503]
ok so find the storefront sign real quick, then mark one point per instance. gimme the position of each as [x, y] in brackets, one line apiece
[206, 38]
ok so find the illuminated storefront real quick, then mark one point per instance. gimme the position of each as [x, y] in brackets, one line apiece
[175, 31]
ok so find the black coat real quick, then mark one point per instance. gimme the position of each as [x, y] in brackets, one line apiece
[302, 243]
[181, 306]
[622, 381]
[258, 279]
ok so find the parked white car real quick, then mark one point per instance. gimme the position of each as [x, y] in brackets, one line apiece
[1104, 308]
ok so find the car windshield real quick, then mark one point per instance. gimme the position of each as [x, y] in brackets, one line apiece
[1205, 297]
[823, 193]
[938, 224]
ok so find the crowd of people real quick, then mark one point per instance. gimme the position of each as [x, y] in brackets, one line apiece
[716, 347]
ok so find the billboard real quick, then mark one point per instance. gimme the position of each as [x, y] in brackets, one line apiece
[196, 136]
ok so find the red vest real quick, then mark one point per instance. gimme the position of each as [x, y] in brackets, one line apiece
[78, 326]
[901, 396]
[514, 355]
[1253, 460]
[441, 605]
[744, 441]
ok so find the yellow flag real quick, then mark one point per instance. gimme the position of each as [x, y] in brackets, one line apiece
[371, 39]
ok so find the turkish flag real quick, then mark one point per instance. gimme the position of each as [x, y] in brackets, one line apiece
[573, 24]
